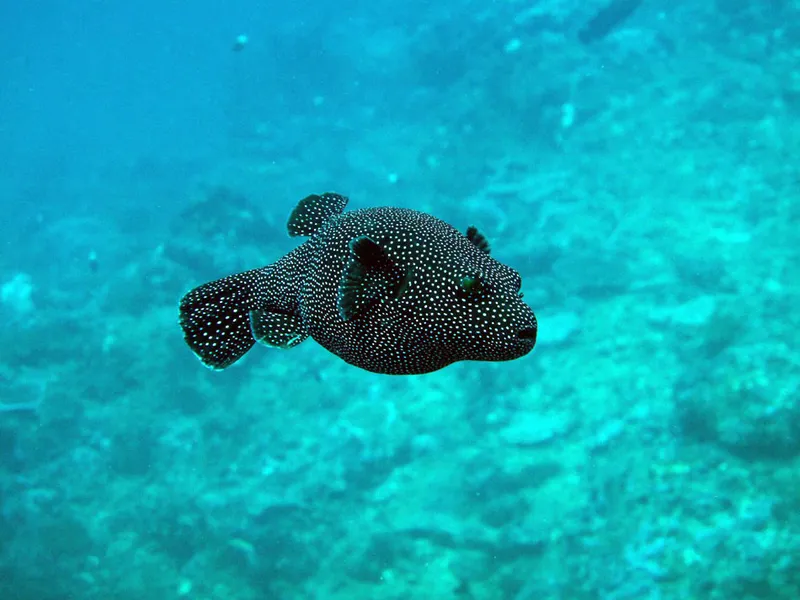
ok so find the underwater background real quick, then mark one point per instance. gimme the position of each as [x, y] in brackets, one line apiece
[636, 161]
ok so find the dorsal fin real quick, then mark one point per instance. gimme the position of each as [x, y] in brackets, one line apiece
[477, 238]
[312, 212]
[370, 276]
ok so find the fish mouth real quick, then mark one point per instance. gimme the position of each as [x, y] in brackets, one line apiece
[528, 333]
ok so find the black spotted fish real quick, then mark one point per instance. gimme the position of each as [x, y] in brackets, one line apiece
[389, 290]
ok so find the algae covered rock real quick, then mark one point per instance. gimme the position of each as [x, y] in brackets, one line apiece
[748, 402]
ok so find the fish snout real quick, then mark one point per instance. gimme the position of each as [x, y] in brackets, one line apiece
[528, 328]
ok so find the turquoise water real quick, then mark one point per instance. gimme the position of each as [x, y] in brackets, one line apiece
[636, 162]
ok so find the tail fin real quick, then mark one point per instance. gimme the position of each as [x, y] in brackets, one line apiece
[215, 318]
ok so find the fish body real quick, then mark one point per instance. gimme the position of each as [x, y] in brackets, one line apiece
[389, 290]
[607, 19]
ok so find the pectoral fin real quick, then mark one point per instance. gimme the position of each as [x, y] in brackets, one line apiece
[369, 277]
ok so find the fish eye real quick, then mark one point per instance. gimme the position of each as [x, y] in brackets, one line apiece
[470, 286]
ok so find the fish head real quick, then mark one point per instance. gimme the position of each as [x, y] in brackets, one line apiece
[416, 295]
[488, 317]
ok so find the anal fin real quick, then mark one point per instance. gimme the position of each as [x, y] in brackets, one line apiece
[277, 330]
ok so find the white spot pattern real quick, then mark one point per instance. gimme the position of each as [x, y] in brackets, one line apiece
[435, 322]
[432, 324]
